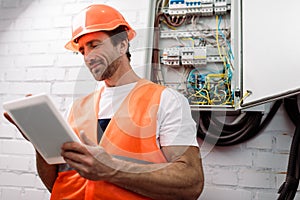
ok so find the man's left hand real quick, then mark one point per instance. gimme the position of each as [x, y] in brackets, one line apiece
[88, 159]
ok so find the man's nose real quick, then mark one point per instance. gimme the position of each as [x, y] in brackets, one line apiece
[88, 56]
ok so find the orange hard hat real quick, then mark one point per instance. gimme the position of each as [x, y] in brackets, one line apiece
[95, 18]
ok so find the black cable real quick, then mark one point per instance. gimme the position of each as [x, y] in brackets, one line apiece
[292, 109]
[288, 189]
[247, 126]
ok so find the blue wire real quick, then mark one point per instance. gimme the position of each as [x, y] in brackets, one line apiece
[223, 36]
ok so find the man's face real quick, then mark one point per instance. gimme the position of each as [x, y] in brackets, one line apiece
[100, 56]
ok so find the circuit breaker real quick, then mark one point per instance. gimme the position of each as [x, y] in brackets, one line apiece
[225, 53]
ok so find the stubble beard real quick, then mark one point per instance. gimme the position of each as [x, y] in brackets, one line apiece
[108, 72]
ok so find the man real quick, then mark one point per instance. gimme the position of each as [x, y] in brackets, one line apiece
[138, 138]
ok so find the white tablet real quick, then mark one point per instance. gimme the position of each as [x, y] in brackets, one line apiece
[43, 124]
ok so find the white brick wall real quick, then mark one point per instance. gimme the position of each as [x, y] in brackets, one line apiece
[33, 60]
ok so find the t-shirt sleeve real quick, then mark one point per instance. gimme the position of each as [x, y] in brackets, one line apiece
[175, 123]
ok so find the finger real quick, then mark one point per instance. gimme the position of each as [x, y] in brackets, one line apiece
[85, 139]
[7, 116]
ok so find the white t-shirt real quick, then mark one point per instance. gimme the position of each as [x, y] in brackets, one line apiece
[175, 125]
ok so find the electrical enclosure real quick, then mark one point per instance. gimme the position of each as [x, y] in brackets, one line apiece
[225, 54]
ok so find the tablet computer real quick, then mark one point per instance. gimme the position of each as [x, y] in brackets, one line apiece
[42, 124]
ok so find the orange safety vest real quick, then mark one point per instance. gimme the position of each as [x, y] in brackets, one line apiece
[131, 134]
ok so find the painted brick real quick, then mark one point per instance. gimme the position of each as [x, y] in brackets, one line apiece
[69, 60]
[209, 173]
[4, 49]
[65, 35]
[262, 141]
[10, 13]
[42, 23]
[17, 179]
[6, 24]
[39, 184]
[17, 163]
[10, 3]
[34, 60]
[17, 48]
[225, 177]
[40, 35]
[37, 10]
[283, 142]
[24, 88]
[16, 147]
[38, 47]
[7, 131]
[266, 195]
[6, 62]
[63, 22]
[35, 194]
[131, 5]
[72, 9]
[25, 3]
[270, 160]
[256, 179]
[55, 2]
[216, 193]
[15, 74]
[70, 88]
[79, 74]
[11, 193]
[280, 122]
[10, 36]
[23, 24]
[229, 158]
[48, 74]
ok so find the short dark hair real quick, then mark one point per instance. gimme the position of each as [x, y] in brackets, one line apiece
[118, 35]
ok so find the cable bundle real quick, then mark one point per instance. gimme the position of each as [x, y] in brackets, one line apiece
[247, 125]
[288, 189]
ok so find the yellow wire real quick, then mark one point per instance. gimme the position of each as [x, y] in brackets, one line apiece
[171, 27]
[193, 42]
[247, 94]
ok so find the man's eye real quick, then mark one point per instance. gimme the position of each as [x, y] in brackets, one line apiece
[95, 45]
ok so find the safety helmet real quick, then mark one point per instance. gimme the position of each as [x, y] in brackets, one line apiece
[95, 18]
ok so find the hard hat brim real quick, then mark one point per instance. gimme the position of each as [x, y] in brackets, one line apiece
[73, 46]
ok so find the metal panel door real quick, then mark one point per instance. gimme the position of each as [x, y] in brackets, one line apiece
[270, 49]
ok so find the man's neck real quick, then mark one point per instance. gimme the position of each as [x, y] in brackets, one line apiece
[122, 79]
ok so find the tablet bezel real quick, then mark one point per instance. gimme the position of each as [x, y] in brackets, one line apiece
[44, 99]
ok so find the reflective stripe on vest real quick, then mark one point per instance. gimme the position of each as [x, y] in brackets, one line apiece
[130, 136]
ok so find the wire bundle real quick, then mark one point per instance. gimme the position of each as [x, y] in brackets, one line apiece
[208, 89]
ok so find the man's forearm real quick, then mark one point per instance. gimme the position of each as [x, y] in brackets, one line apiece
[47, 173]
[176, 180]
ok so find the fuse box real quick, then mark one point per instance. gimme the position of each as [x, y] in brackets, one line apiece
[195, 54]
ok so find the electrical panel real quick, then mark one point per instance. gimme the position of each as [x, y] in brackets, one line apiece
[193, 52]
[230, 54]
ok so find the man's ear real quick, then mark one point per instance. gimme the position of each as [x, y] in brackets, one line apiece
[123, 47]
